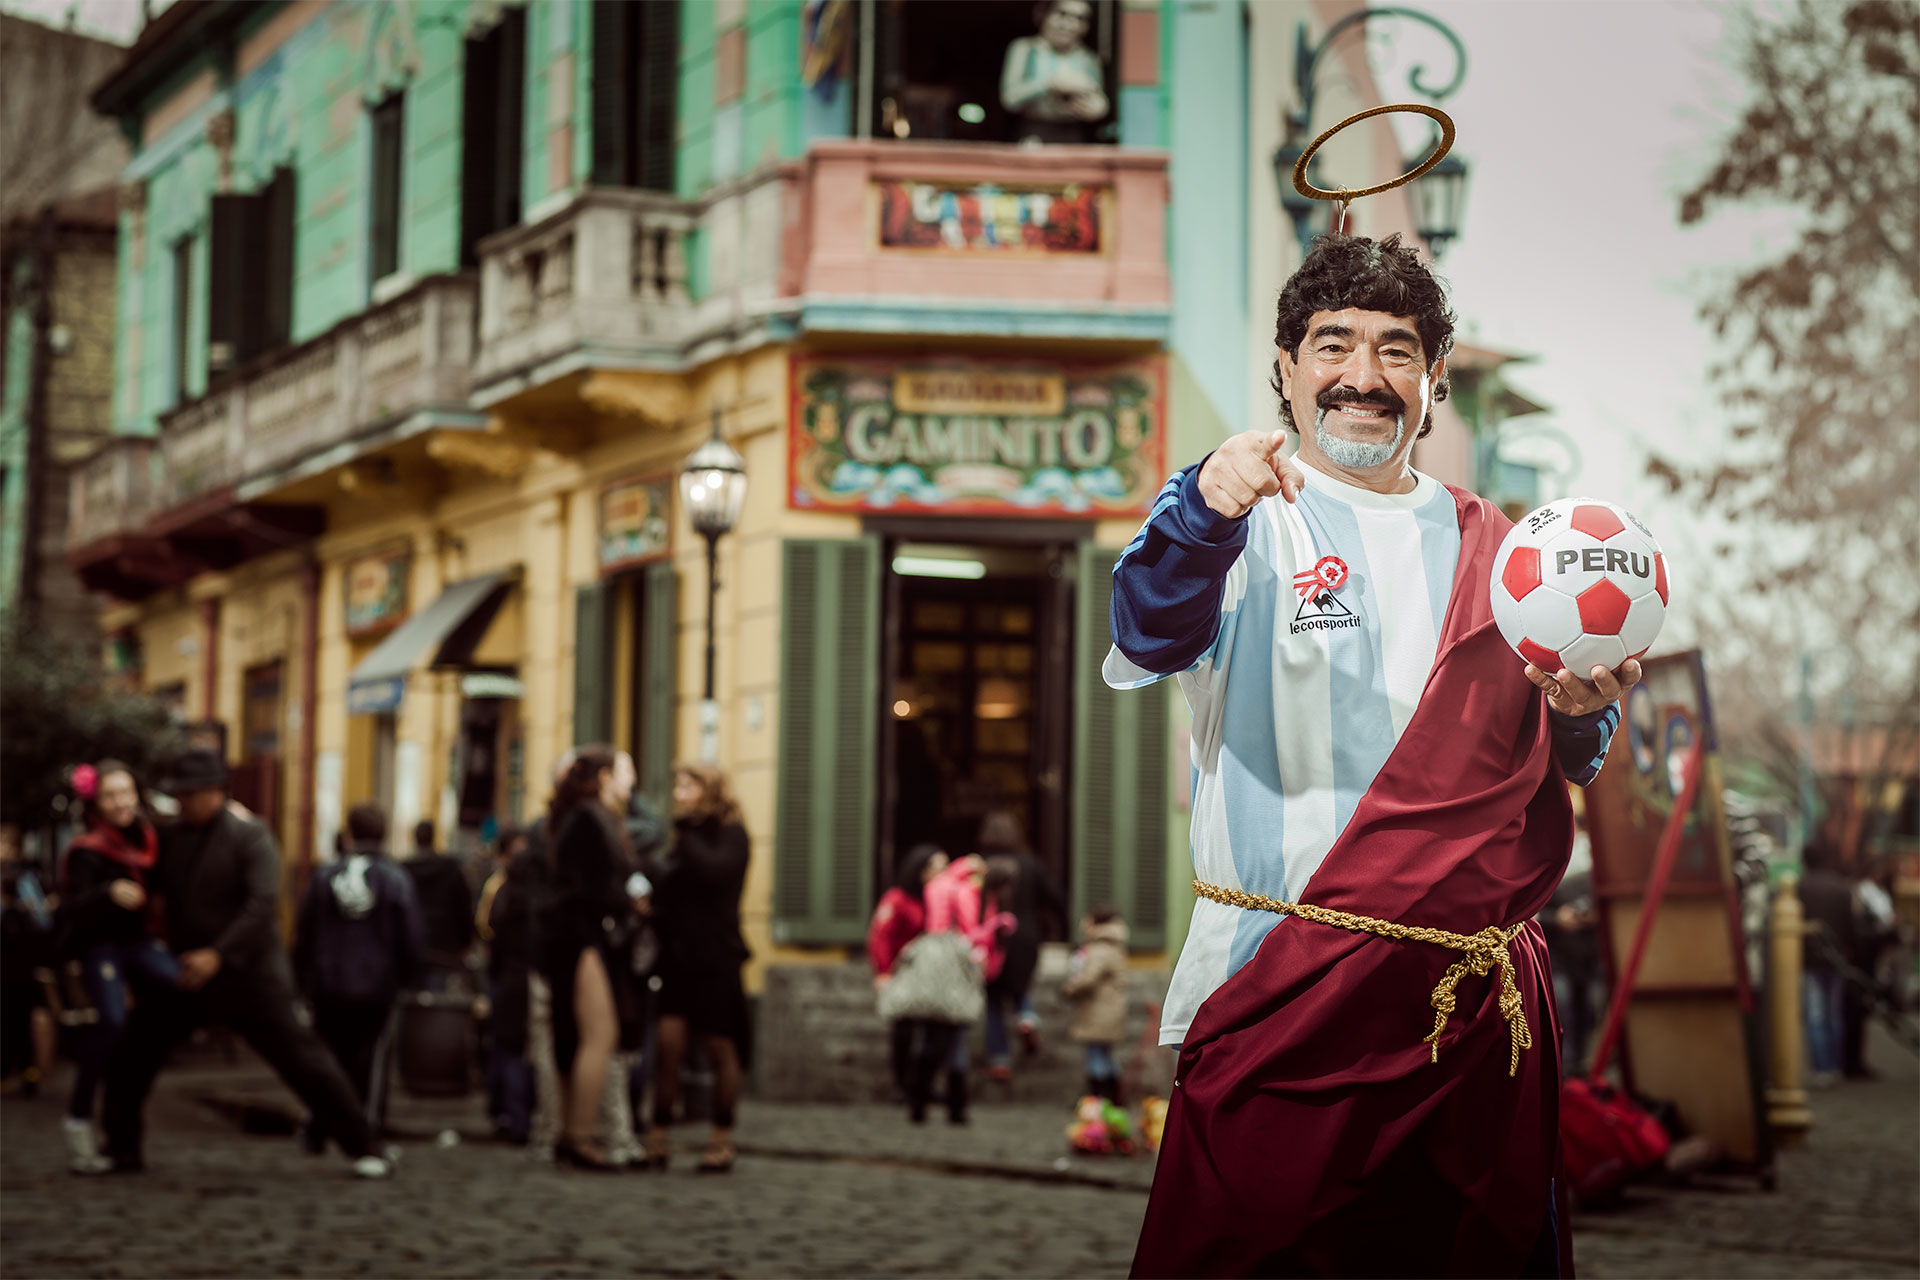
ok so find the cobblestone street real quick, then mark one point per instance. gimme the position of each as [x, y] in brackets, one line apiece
[824, 1190]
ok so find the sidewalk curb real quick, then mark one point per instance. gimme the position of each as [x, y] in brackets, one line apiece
[275, 1118]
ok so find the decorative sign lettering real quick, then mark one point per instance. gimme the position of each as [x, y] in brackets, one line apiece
[958, 436]
[990, 218]
[377, 591]
[635, 525]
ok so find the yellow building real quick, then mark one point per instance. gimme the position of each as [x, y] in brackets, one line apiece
[394, 509]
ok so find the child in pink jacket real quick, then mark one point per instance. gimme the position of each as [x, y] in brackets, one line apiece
[965, 899]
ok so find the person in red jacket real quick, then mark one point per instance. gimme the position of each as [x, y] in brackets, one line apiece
[901, 917]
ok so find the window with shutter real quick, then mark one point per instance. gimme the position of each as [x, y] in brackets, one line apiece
[659, 73]
[636, 84]
[389, 120]
[234, 256]
[1119, 773]
[182, 314]
[592, 658]
[493, 121]
[659, 670]
[510, 123]
[613, 98]
[829, 733]
[279, 209]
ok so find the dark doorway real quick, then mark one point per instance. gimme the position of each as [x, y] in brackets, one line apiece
[488, 749]
[977, 700]
[937, 67]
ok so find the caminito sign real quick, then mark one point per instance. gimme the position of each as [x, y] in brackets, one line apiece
[965, 436]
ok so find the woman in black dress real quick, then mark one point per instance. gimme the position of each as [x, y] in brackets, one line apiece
[586, 934]
[696, 916]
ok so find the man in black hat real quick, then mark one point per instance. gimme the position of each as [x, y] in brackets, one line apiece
[218, 875]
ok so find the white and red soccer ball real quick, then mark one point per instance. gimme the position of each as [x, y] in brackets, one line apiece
[1579, 583]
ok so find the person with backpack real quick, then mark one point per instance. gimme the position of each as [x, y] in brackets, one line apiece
[359, 944]
[899, 918]
[939, 979]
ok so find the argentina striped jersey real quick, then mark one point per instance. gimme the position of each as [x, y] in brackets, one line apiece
[1302, 635]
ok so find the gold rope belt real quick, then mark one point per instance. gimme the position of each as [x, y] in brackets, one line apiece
[1484, 950]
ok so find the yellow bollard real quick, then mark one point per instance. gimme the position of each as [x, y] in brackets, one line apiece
[1786, 1100]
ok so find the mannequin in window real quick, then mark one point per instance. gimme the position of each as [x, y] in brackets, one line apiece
[1052, 81]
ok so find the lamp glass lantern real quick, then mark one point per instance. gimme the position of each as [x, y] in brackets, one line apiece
[1439, 197]
[713, 485]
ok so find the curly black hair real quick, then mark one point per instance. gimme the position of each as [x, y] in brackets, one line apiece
[1371, 275]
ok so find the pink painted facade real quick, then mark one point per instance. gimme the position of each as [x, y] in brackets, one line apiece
[835, 249]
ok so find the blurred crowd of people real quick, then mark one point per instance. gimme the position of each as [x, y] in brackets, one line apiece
[596, 952]
[1852, 965]
[955, 941]
[1848, 973]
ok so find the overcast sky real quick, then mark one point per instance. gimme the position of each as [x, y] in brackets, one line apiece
[1583, 121]
[117, 20]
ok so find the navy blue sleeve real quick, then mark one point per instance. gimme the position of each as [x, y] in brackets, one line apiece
[1580, 742]
[1168, 584]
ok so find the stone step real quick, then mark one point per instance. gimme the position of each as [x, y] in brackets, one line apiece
[820, 1039]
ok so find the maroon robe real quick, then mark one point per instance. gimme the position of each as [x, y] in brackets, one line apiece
[1310, 1132]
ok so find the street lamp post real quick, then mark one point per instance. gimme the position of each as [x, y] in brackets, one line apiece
[1442, 190]
[713, 485]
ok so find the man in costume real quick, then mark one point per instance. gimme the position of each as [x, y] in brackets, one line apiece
[1379, 810]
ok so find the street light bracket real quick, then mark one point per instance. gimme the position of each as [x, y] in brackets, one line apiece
[1306, 188]
[1307, 57]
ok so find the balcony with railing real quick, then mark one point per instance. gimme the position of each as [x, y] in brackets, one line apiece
[958, 238]
[606, 277]
[112, 491]
[951, 239]
[206, 486]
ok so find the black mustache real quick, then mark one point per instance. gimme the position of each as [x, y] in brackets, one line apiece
[1347, 395]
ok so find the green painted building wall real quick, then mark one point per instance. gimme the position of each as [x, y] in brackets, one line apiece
[18, 335]
[307, 107]
[741, 104]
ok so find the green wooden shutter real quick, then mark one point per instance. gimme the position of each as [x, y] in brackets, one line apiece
[510, 120]
[659, 73]
[612, 91]
[234, 255]
[389, 125]
[659, 672]
[829, 740]
[280, 211]
[1119, 772]
[592, 664]
[480, 97]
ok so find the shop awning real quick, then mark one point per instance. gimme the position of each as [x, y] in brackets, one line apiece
[444, 634]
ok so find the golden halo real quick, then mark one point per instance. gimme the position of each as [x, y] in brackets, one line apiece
[1307, 189]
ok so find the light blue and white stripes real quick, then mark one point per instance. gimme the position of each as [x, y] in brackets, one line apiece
[1292, 724]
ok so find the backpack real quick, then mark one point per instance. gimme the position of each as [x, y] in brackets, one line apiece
[1607, 1137]
[355, 945]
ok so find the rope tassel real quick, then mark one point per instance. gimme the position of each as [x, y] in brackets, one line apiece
[1483, 950]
